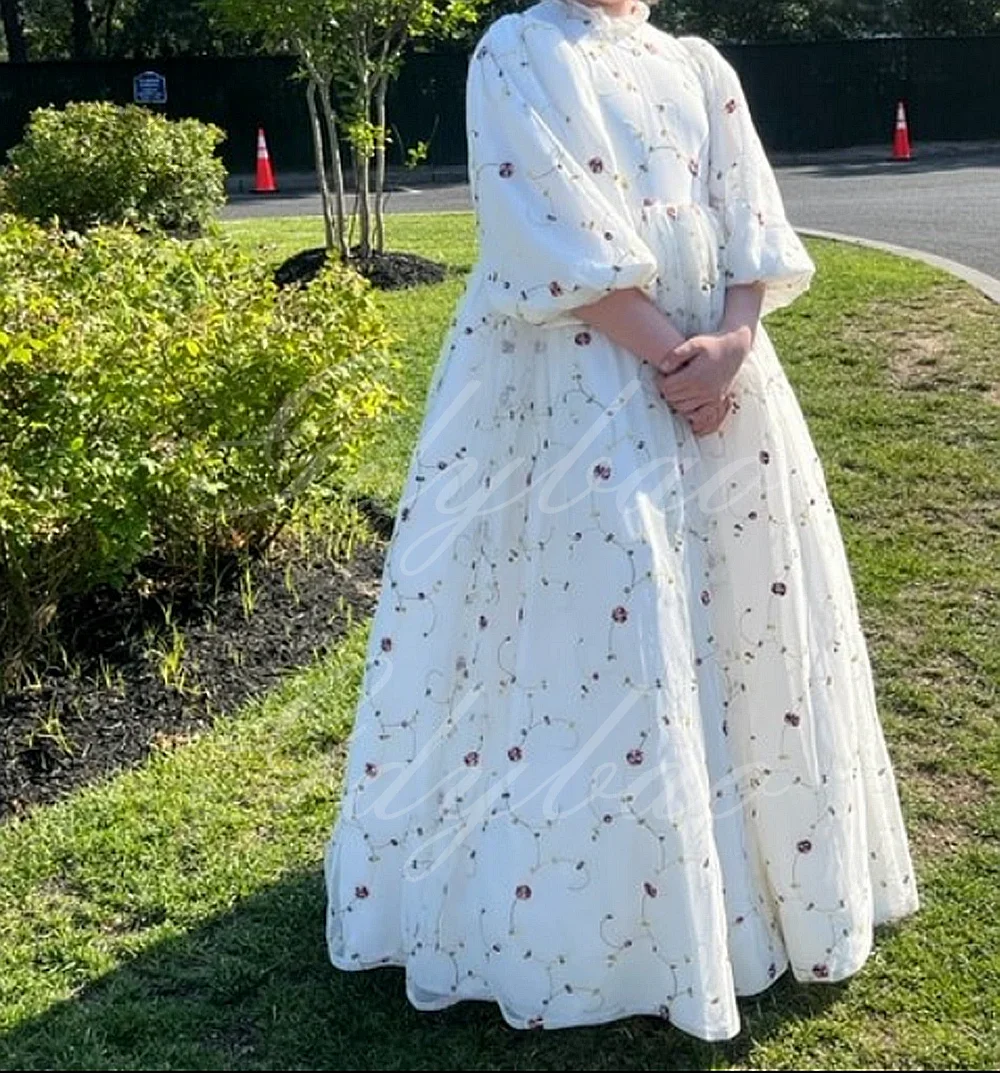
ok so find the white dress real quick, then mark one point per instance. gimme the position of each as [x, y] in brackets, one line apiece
[616, 750]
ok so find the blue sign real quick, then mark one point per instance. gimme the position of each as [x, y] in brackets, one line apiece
[149, 88]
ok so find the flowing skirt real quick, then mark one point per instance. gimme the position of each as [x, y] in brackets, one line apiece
[617, 748]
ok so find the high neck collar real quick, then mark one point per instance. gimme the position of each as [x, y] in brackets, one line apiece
[602, 21]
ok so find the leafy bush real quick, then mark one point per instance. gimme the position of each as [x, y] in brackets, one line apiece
[159, 395]
[95, 162]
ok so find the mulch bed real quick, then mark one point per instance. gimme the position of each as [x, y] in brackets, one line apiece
[389, 271]
[101, 729]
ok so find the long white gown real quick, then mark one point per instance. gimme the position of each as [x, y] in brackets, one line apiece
[617, 749]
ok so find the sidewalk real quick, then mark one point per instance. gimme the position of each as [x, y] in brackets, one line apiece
[304, 182]
[867, 154]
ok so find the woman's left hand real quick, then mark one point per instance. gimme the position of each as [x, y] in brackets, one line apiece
[711, 362]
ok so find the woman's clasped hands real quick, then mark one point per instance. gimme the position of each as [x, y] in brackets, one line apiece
[695, 377]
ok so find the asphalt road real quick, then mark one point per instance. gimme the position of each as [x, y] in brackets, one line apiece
[946, 200]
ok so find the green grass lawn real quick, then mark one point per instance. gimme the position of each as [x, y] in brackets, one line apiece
[173, 917]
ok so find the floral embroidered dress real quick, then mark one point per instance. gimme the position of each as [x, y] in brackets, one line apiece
[616, 749]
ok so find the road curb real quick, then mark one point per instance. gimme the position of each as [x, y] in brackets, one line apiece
[988, 285]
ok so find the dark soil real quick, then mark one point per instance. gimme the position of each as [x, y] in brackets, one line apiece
[71, 727]
[389, 271]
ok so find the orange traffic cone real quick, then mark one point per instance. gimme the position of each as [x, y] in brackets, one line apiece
[901, 140]
[265, 183]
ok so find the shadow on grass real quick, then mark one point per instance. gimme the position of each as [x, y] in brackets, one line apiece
[253, 989]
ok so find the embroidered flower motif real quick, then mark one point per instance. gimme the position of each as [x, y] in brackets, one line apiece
[386, 644]
[582, 339]
[634, 757]
[706, 596]
[523, 891]
[804, 846]
[792, 719]
[555, 288]
[361, 891]
[693, 166]
[672, 212]
[506, 169]
[649, 889]
[619, 614]
[514, 753]
[596, 165]
[822, 971]
[371, 770]
[483, 622]
[760, 218]
[731, 105]
[779, 588]
[602, 470]
[471, 758]
[765, 457]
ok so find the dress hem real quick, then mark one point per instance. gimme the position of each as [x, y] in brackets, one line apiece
[447, 1001]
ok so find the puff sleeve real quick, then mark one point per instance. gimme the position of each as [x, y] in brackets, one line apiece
[549, 237]
[760, 244]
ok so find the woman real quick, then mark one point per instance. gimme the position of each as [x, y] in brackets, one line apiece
[617, 748]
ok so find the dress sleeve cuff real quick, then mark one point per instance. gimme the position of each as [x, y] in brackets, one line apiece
[553, 305]
[769, 252]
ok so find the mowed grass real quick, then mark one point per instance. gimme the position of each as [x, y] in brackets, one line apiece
[172, 918]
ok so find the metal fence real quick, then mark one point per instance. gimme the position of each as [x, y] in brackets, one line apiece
[804, 95]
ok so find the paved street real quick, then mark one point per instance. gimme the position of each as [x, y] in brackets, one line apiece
[950, 207]
[945, 201]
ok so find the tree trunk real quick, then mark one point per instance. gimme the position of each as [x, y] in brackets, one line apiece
[381, 89]
[13, 28]
[312, 91]
[338, 166]
[84, 43]
[362, 157]
[109, 15]
[364, 176]
[356, 167]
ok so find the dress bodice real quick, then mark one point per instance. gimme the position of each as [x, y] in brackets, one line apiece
[606, 152]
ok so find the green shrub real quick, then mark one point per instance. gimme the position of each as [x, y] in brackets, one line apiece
[159, 395]
[95, 162]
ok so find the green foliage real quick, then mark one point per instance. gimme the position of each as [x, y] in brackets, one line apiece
[417, 154]
[140, 28]
[185, 27]
[160, 396]
[364, 136]
[775, 20]
[95, 162]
